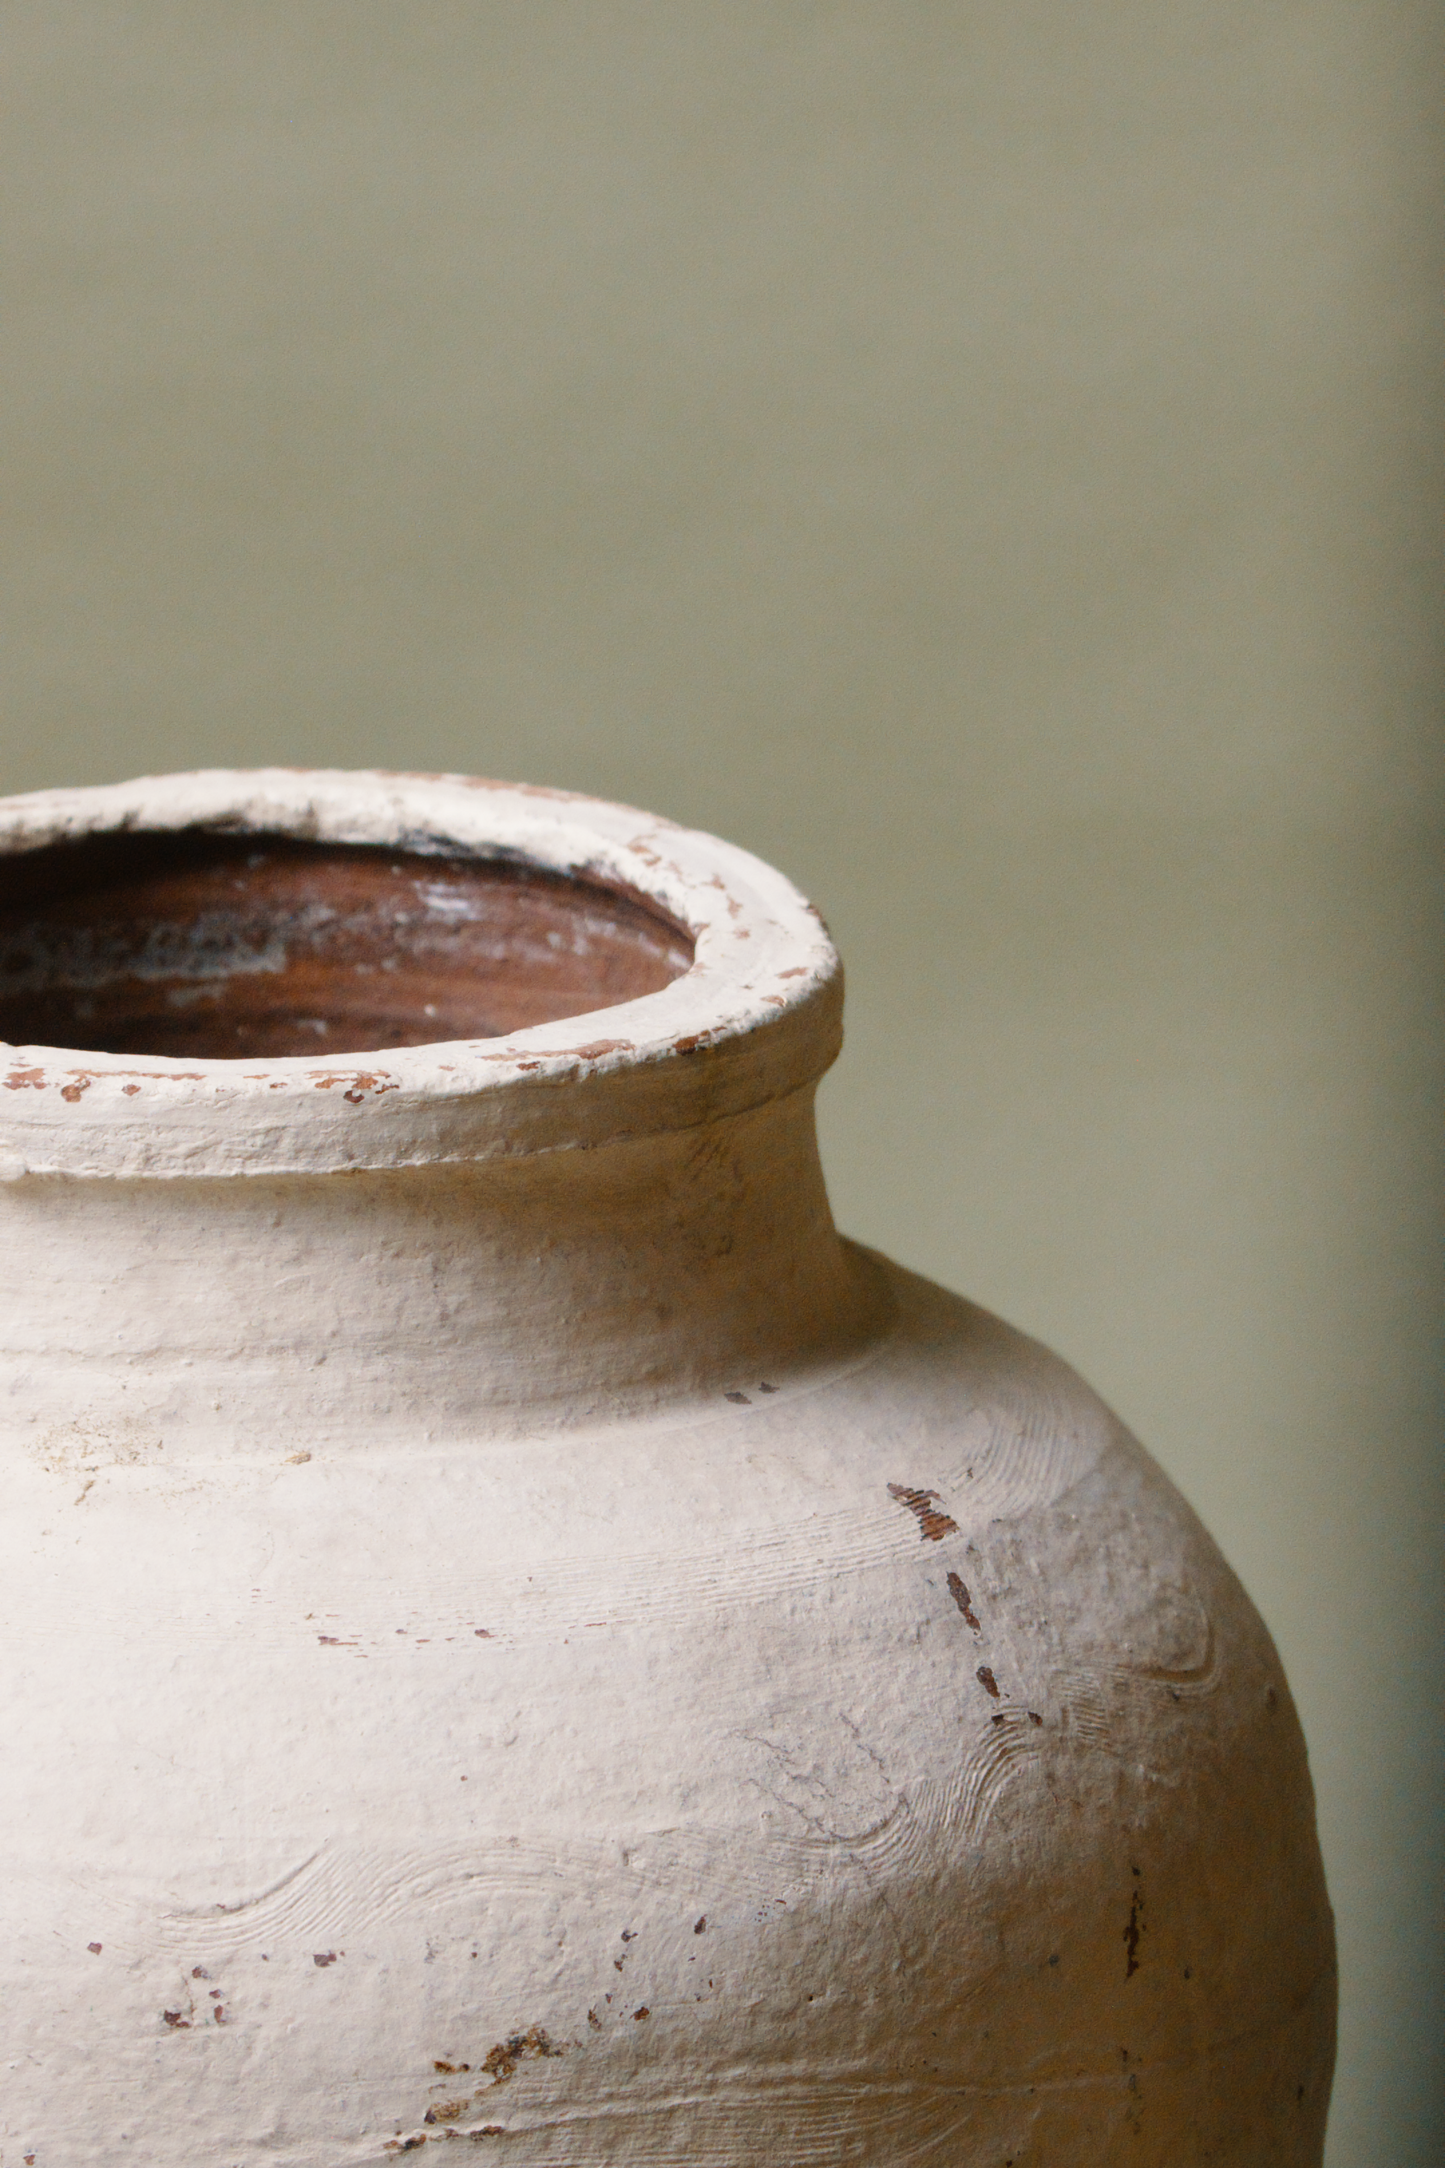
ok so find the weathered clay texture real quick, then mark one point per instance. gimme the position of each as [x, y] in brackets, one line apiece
[520, 1638]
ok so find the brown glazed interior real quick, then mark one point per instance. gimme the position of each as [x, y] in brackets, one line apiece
[210, 946]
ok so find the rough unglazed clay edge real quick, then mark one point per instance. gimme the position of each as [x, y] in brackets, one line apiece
[757, 1015]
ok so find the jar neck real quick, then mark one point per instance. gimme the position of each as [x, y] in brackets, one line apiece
[273, 1314]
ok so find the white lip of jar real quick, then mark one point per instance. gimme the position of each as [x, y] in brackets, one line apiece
[757, 1015]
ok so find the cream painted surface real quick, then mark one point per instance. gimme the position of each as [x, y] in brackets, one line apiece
[986, 460]
[555, 1648]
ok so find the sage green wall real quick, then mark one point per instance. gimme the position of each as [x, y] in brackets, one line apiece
[983, 457]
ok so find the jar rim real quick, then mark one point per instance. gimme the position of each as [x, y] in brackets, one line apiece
[757, 1014]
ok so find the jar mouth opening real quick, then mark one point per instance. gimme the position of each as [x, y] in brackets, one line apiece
[308, 971]
[208, 946]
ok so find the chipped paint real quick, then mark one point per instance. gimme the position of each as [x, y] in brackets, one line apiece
[958, 1589]
[358, 1083]
[927, 1508]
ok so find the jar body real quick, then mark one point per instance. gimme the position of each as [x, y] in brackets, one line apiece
[872, 1763]
[516, 1634]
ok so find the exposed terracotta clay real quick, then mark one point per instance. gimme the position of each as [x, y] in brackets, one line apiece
[208, 946]
[516, 1632]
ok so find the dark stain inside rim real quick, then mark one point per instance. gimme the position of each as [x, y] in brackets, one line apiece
[212, 947]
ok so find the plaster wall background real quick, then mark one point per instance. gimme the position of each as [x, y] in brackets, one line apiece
[985, 459]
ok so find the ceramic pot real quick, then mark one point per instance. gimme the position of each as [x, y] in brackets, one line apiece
[517, 1634]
